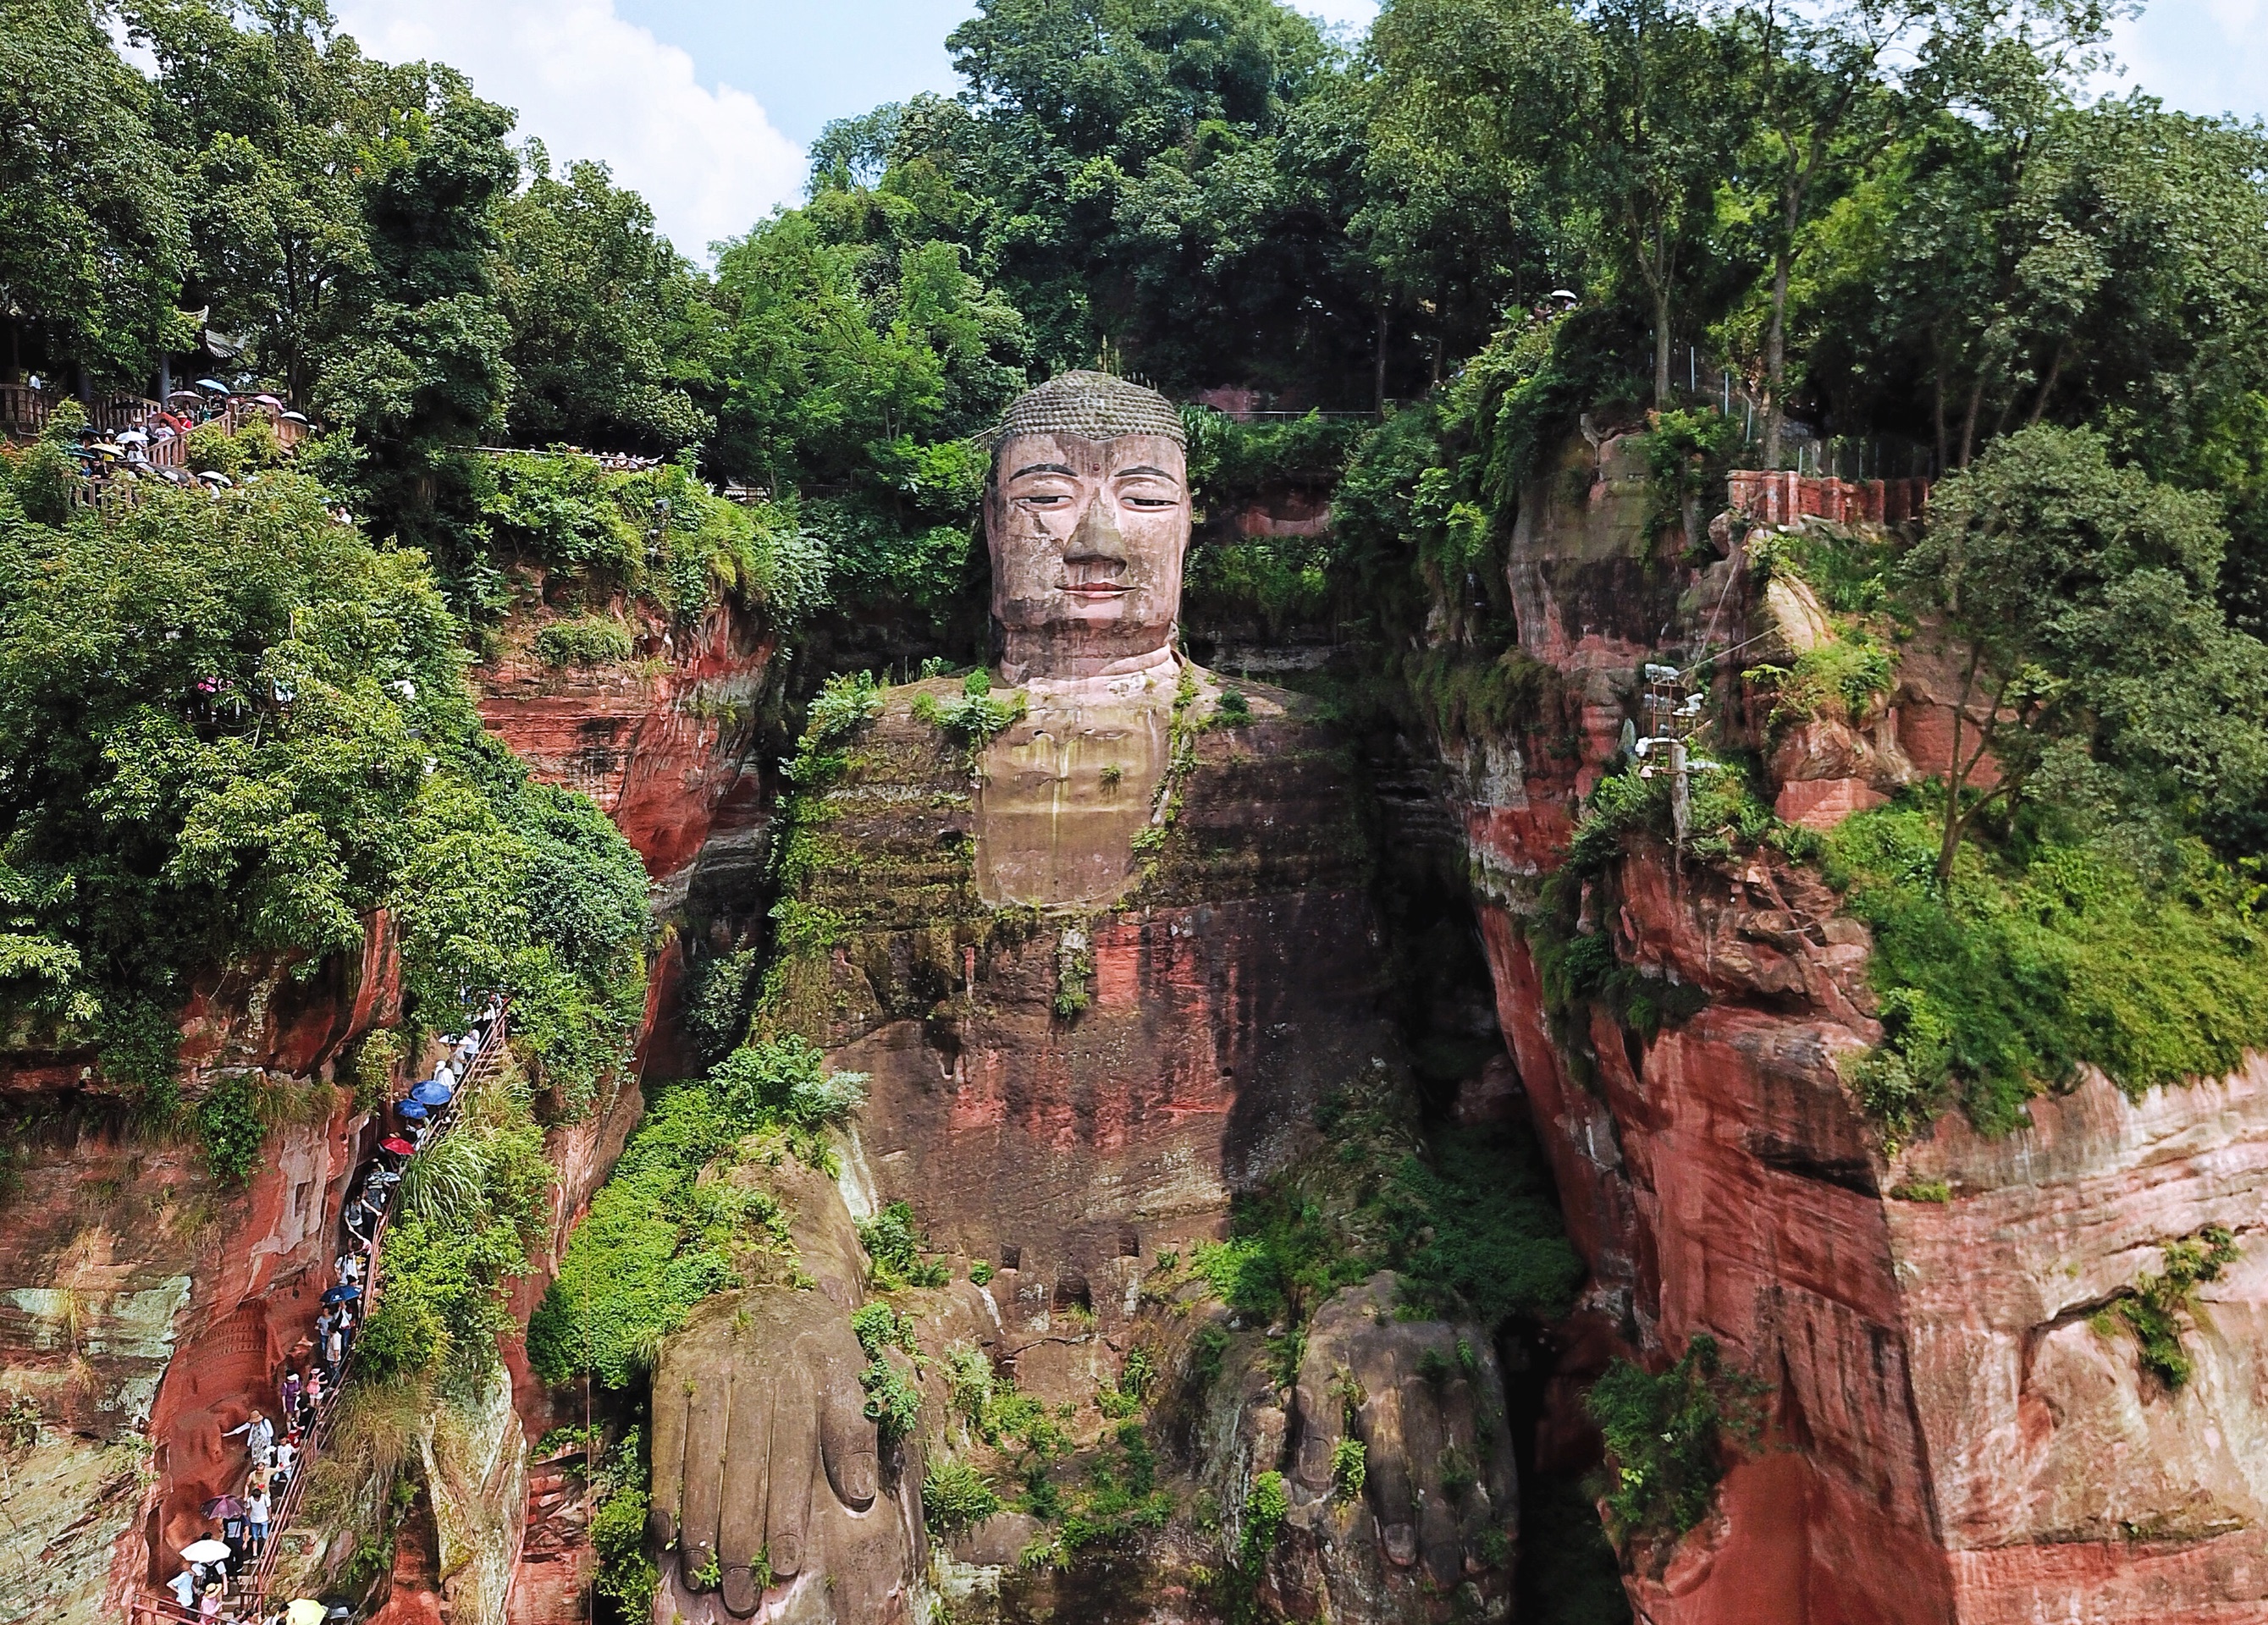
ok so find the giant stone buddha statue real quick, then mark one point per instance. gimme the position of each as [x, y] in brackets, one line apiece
[1098, 967]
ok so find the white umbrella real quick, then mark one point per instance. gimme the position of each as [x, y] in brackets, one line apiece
[206, 1551]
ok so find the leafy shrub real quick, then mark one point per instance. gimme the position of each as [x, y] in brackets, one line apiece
[1687, 455]
[1208, 1350]
[257, 445]
[1853, 572]
[2045, 956]
[371, 1070]
[2155, 1312]
[1477, 1234]
[46, 476]
[659, 533]
[1349, 1465]
[1667, 1436]
[719, 994]
[975, 718]
[846, 702]
[894, 1247]
[956, 1497]
[1838, 678]
[627, 1576]
[1230, 457]
[468, 1211]
[785, 1081]
[588, 640]
[658, 1241]
[1120, 1497]
[210, 449]
[893, 1402]
[1265, 1510]
[878, 1326]
[229, 1125]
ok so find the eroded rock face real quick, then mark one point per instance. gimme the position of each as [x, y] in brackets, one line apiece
[1950, 1438]
[140, 1302]
[144, 1307]
[658, 744]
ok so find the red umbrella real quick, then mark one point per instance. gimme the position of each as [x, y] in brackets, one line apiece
[395, 1145]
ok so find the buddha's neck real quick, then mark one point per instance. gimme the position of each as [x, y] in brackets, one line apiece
[1072, 676]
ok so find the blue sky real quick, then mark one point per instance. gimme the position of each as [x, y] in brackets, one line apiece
[705, 105]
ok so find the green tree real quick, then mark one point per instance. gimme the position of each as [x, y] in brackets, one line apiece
[233, 727]
[2100, 667]
[264, 118]
[861, 356]
[92, 237]
[1137, 205]
[1618, 106]
[612, 340]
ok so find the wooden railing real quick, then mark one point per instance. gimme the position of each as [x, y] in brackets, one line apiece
[24, 413]
[250, 1594]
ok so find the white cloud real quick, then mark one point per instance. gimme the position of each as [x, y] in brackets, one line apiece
[591, 85]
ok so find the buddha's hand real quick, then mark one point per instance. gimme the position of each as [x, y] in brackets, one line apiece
[760, 1442]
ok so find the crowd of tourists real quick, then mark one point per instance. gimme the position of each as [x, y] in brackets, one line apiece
[137, 453]
[211, 1583]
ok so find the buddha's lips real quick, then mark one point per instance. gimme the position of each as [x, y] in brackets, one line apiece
[1098, 589]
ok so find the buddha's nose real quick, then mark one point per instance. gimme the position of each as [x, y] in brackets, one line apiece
[1096, 541]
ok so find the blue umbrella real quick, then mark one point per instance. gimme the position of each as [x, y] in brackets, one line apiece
[213, 384]
[341, 1293]
[409, 1109]
[432, 1091]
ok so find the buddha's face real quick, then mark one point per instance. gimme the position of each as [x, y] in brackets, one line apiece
[1087, 539]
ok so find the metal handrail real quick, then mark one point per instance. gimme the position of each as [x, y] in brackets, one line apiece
[149, 1608]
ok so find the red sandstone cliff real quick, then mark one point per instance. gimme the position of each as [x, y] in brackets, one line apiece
[1948, 1438]
[143, 1310]
[657, 741]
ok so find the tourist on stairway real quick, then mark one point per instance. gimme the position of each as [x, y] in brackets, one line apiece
[255, 1520]
[258, 1436]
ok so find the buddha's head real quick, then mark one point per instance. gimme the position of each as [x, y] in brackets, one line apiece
[1088, 516]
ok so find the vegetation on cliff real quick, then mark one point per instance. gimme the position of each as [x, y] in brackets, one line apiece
[1670, 1439]
[472, 1207]
[234, 728]
[660, 1236]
